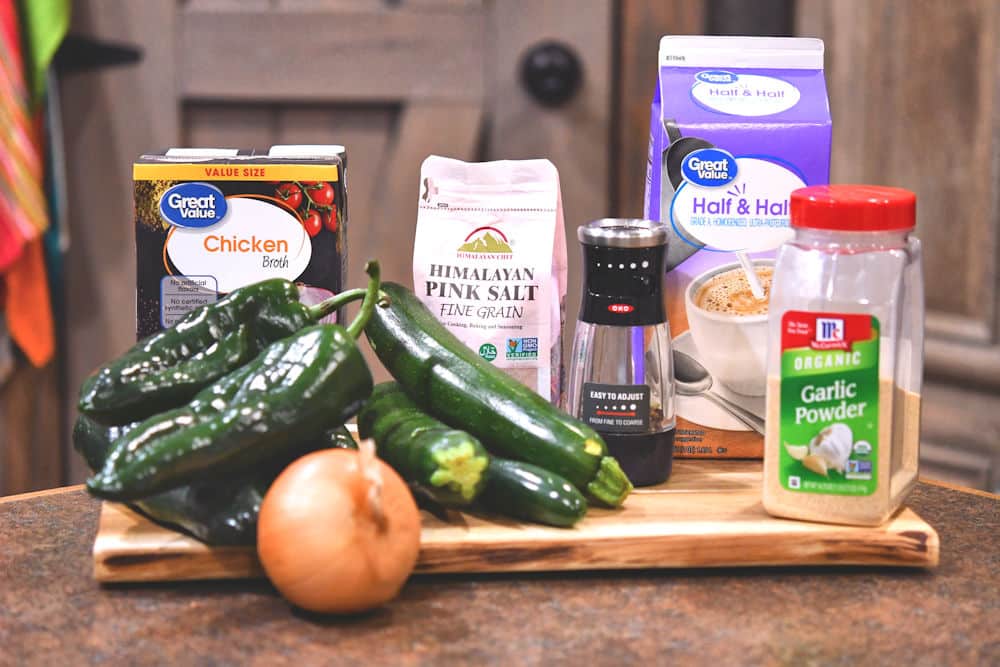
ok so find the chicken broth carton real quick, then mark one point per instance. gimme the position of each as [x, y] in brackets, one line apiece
[208, 221]
[737, 124]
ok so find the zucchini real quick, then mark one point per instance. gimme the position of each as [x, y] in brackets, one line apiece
[446, 463]
[523, 491]
[452, 383]
[412, 442]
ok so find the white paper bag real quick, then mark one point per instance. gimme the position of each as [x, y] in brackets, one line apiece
[489, 261]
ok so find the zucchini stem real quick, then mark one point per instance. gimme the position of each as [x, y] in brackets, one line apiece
[459, 469]
[335, 303]
[371, 297]
[610, 485]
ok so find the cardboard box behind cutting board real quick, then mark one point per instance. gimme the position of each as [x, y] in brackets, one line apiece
[211, 220]
[737, 123]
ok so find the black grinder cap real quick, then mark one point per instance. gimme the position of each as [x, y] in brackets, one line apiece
[623, 271]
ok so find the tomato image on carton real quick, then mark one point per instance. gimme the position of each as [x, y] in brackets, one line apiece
[209, 221]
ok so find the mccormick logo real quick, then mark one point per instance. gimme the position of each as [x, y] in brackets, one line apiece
[824, 331]
[829, 330]
[193, 205]
[522, 348]
[829, 335]
[485, 243]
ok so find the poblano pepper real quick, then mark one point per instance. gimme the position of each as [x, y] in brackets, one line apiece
[217, 512]
[294, 390]
[167, 369]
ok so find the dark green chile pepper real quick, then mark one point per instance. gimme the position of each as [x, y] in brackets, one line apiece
[93, 439]
[294, 390]
[220, 512]
[167, 369]
[339, 438]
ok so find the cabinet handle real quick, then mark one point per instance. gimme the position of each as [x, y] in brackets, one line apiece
[551, 72]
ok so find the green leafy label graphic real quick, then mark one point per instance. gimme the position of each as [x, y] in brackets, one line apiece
[829, 407]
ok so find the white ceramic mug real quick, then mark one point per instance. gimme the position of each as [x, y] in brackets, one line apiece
[732, 347]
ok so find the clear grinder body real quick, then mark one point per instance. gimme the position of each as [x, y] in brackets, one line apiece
[621, 380]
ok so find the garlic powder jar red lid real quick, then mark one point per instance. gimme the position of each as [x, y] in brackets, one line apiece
[853, 208]
[845, 357]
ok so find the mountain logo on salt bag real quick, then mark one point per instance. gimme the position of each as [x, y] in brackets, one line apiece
[486, 241]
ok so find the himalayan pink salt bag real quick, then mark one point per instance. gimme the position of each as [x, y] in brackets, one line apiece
[489, 261]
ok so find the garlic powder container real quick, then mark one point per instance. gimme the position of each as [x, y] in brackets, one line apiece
[845, 357]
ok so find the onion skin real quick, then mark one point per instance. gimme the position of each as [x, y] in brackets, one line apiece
[323, 545]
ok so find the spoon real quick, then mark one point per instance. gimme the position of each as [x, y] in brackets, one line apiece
[693, 379]
[752, 278]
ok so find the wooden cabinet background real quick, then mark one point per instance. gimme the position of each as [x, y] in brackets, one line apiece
[914, 89]
[393, 81]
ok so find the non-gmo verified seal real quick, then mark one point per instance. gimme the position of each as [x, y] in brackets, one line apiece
[522, 348]
[488, 351]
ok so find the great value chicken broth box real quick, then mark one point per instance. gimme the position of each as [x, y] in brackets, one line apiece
[737, 124]
[209, 220]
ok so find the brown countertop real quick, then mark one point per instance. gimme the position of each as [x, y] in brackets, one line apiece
[52, 612]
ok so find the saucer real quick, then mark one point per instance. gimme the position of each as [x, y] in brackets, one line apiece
[702, 411]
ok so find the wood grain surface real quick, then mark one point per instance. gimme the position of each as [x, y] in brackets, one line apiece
[708, 515]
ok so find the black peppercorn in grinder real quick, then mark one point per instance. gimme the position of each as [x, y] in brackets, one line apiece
[621, 372]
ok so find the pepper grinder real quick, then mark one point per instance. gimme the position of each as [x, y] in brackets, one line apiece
[621, 372]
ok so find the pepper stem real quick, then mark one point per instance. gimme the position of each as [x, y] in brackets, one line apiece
[334, 303]
[371, 297]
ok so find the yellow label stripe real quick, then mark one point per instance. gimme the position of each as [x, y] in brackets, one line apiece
[168, 171]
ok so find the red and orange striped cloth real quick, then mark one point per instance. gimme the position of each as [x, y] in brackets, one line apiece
[24, 213]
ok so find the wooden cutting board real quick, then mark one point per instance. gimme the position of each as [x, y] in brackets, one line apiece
[708, 515]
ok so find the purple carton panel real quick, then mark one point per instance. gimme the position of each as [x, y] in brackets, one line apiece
[736, 125]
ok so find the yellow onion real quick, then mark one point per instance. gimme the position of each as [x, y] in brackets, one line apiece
[339, 531]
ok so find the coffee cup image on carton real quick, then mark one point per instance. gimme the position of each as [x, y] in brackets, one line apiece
[728, 326]
[736, 124]
[721, 350]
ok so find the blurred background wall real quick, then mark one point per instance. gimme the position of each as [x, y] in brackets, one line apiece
[914, 88]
